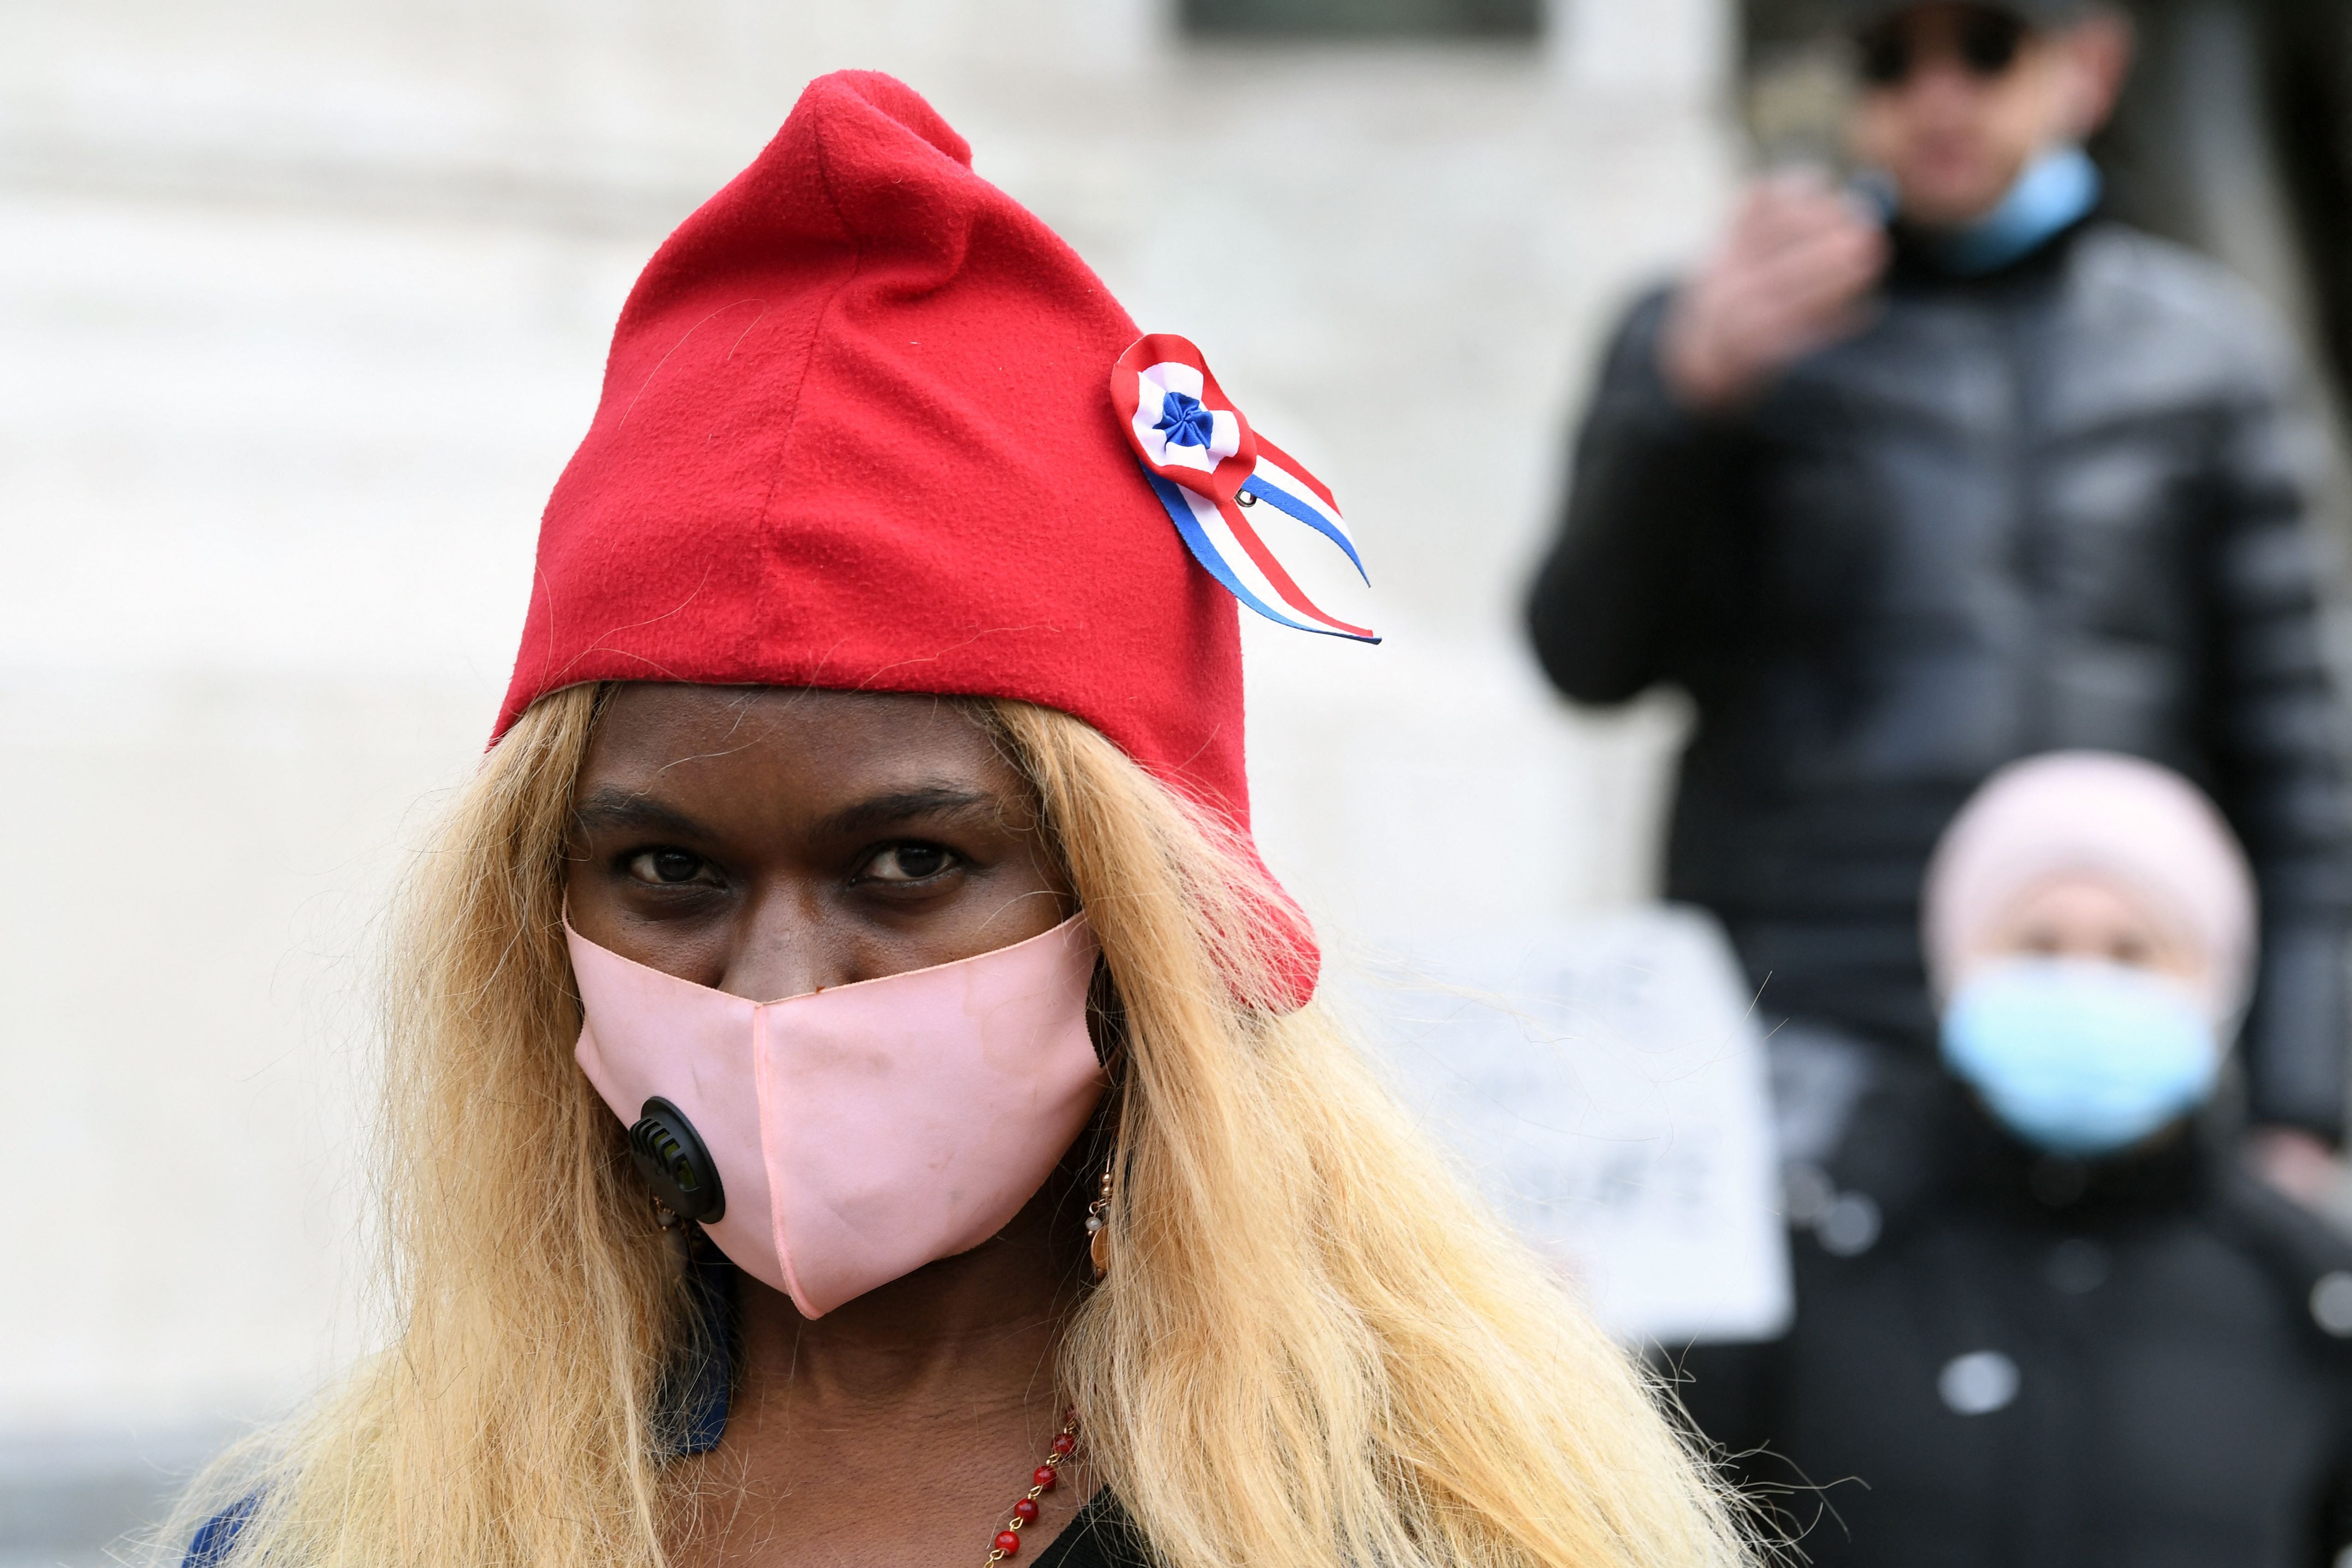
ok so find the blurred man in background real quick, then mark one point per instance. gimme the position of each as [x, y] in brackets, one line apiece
[1916, 479]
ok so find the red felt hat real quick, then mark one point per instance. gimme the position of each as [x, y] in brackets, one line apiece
[854, 435]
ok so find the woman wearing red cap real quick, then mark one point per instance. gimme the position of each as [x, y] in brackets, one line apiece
[883, 658]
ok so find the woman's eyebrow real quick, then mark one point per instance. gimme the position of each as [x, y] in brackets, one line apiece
[611, 806]
[932, 800]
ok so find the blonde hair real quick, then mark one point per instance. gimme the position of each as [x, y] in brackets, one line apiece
[1305, 1317]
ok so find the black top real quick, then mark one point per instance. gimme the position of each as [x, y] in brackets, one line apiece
[2003, 1359]
[1101, 1536]
[2064, 504]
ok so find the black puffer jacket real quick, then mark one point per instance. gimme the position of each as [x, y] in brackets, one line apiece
[2004, 1361]
[2064, 506]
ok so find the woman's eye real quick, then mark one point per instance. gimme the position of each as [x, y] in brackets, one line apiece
[666, 867]
[909, 862]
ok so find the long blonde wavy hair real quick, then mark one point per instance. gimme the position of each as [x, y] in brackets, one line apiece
[1306, 1317]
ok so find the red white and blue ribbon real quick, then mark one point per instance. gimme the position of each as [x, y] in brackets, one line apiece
[1239, 502]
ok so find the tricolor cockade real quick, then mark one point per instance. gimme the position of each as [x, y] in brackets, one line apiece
[1219, 479]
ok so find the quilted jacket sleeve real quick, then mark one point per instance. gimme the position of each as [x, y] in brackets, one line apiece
[2277, 732]
[1610, 610]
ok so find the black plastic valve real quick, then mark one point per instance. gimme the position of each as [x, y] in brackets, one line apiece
[670, 1154]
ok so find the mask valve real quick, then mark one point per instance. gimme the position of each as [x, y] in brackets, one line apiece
[669, 1154]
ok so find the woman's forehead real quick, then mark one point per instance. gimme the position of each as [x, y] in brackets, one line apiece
[637, 710]
[684, 735]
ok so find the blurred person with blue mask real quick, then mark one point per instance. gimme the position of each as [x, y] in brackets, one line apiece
[2043, 1314]
[1938, 468]
[2089, 922]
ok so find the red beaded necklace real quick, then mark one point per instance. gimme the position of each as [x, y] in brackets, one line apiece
[1041, 1482]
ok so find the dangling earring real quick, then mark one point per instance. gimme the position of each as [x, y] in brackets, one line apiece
[677, 1233]
[1099, 1225]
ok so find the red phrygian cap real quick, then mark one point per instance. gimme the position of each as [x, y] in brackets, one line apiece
[855, 436]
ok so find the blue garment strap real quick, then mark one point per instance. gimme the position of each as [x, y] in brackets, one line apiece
[2056, 189]
[695, 1397]
[211, 1547]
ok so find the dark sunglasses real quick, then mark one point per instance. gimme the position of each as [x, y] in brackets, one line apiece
[1987, 46]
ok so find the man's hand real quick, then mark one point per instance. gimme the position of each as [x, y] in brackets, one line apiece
[1789, 276]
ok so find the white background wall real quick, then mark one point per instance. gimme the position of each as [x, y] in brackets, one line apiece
[302, 309]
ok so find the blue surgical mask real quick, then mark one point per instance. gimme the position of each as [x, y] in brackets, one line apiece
[2080, 1057]
[2054, 189]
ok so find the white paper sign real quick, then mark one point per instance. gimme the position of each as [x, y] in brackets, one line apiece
[1604, 1082]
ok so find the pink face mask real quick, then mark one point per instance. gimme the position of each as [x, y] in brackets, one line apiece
[832, 1142]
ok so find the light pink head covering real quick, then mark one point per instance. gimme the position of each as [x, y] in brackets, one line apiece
[2117, 818]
